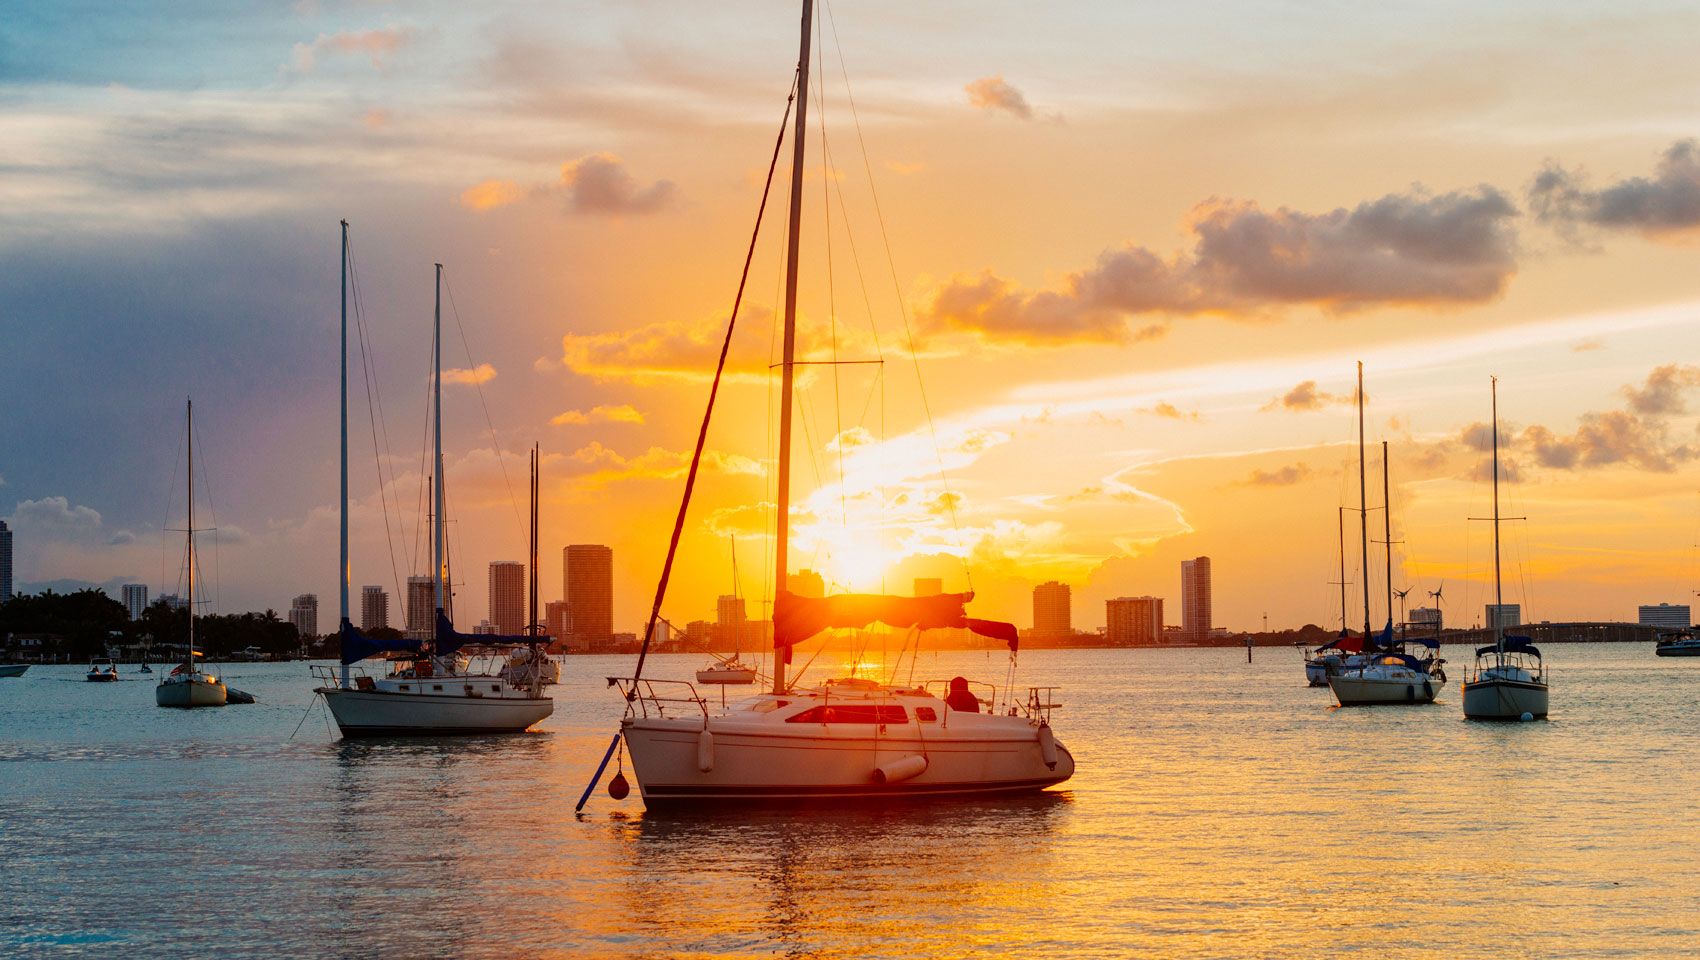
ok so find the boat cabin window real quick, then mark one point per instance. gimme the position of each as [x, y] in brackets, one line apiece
[852, 713]
[926, 714]
[495, 688]
[436, 686]
[406, 687]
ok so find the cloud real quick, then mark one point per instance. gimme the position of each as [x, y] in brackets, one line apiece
[1662, 394]
[851, 438]
[602, 465]
[376, 44]
[1479, 436]
[121, 538]
[491, 194]
[1666, 203]
[1587, 344]
[54, 513]
[483, 373]
[599, 184]
[624, 413]
[1170, 411]
[904, 169]
[1306, 396]
[1285, 477]
[1412, 249]
[992, 93]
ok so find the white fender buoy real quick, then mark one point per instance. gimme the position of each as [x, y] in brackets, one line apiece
[900, 769]
[705, 749]
[1048, 746]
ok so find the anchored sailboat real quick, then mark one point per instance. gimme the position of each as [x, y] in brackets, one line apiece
[1508, 680]
[844, 738]
[430, 693]
[1386, 673]
[187, 685]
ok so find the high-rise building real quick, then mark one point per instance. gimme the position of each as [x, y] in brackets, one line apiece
[1133, 621]
[421, 608]
[135, 599]
[5, 562]
[1195, 598]
[374, 608]
[558, 620]
[589, 577]
[304, 613]
[1051, 610]
[173, 602]
[729, 620]
[928, 586]
[806, 583]
[507, 597]
[1426, 620]
[1669, 616]
[1504, 615]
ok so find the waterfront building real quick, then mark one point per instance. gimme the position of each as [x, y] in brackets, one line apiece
[928, 586]
[1051, 610]
[806, 583]
[135, 599]
[699, 634]
[558, 620]
[729, 620]
[421, 608]
[1133, 621]
[1426, 620]
[5, 562]
[1195, 598]
[589, 589]
[374, 608]
[304, 613]
[173, 602]
[507, 597]
[1503, 615]
[1666, 616]
[484, 629]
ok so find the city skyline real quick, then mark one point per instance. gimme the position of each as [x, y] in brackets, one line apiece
[1158, 365]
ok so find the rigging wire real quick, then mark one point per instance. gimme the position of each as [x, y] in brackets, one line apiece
[501, 460]
[375, 416]
[902, 307]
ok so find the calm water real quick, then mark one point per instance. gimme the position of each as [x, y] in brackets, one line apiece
[1221, 810]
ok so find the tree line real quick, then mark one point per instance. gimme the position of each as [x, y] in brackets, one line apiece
[85, 623]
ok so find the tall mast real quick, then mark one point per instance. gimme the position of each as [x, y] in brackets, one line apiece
[438, 588]
[1387, 531]
[1363, 499]
[1342, 519]
[342, 625]
[190, 533]
[786, 371]
[1498, 592]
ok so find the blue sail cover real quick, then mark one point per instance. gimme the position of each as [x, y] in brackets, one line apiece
[1512, 645]
[1429, 642]
[1384, 639]
[449, 640]
[357, 646]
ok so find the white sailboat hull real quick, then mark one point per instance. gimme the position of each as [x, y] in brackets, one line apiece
[978, 754]
[1316, 673]
[727, 675]
[383, 713]
[1493, 698]
[196, 691]
[1368, 688]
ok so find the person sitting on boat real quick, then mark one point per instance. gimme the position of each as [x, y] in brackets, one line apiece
[960, 698]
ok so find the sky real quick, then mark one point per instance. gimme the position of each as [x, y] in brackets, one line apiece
[1116, 265]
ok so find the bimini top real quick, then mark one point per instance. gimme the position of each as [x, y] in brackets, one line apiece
[1512, 645]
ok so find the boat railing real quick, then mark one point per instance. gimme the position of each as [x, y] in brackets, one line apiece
[974, 686]
[332, 673]
[642, 694]
[1040, 702]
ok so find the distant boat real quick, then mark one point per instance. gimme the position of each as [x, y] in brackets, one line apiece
[429, 693]
[1680, 644]
[1508, 681]
[145, 669]
[101, 670]
[1344, 650]
[187, 685]
[13, 669]
[731, 672]
[1386, 674]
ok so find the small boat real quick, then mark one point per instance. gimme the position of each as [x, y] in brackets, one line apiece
[727, 672]
[145, 669]
[1508, 682]
[13, 669]
[101, 670]
[1679, 644]
[187, 685]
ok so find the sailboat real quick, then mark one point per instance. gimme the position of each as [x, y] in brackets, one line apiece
[847, 738]
[430, 693]
[1340, 651]
[1508, 680]
[187, 685]
[1386, 674]
[731, 672]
